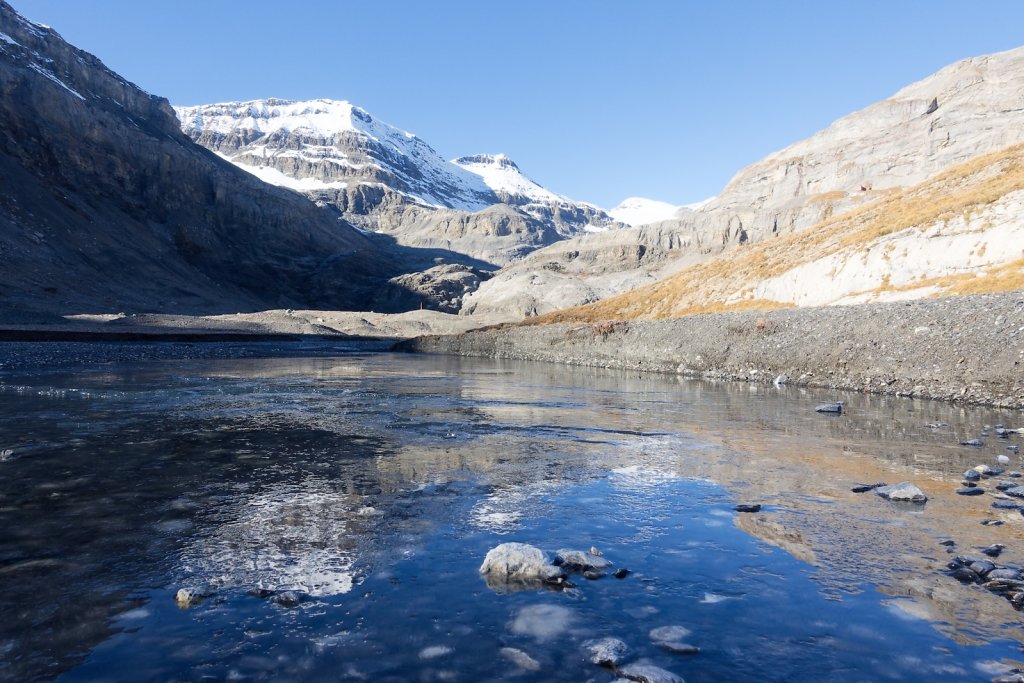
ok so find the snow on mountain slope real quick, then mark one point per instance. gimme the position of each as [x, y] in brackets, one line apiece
[503, 176]
[641, 211]
[333, 142]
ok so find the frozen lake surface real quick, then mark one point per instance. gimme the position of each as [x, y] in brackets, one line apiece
[334, 509]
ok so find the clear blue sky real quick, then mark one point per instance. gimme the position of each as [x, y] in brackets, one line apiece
[597, 100]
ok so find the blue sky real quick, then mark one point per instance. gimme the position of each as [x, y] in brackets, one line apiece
[595, 99]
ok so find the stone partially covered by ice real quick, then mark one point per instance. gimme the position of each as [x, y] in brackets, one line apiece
[904, 491]
[606, 651]
[580, 560]
[648, 673]
[517, 563]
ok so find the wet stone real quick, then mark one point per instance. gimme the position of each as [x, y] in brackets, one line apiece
[965, 575]
[905, 491]
[832, 408]
[621, 573]
[593, 575]
[1016, 492]
[679, 648]
[606, 651]
[864, 488]
[977, 443]
[579, 560]
[1003, 504]
[1004, 573]
[746, 507]
[982, 567]
[993, 550]
[642, 672]
[992, 522]
[287, 599]
[970, 491]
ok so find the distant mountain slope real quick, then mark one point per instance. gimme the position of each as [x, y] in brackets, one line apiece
[972, 107]
[959, 232]
[105, 205]
[387, 180]
[640, 211]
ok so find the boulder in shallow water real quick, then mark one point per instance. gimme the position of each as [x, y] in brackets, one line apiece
[970, 491]
[606, 651]
[834, 408]
[905, 491]
[190, 597]
[511, 564]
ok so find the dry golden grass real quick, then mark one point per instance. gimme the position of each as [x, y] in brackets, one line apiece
[707, 287]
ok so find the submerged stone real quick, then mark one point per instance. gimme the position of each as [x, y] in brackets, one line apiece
[542, 622]
[190, 597]
[578, 560]
[664, 634]
[621, 573]
[643, 672]
[287, 599]
[606, 651]
[520, 659]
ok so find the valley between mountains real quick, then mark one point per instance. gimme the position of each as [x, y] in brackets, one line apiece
[121, 214]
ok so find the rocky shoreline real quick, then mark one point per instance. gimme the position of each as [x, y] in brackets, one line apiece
[967, 349]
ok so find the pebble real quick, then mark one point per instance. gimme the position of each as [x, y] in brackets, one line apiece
[982, 567]
[977, 443]
[864, 488]
[836, 408]
[1004, 573]
[606, 651]
[992, 522]
[744, 507]
[1002, 460]
[1015, 491]
[665, 634]
[593, 575]
[621, 573]
[993, 550]
[965, 575]
[1003, 504]
[948, 543]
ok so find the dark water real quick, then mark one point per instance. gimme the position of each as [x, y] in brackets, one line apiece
[375, 484]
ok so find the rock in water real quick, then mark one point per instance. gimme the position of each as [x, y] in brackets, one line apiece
[621, 573]
[543, 622]
[578, 560]
[744, 507]
[1015, 491]
[606, 651]
[863, 488]
[836, 408]
[518, 563]
[520, 659]
[971, 491]
[643, 672]
[190, 597]
[993, 550]
[287, 599]
[664, 634]
[904, 491]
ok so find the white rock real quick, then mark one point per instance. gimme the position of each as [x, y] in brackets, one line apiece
[1002, 460]
[578, 559]
[665, 634]
[904, 491]
[520, 659]
[517, 563]
[606, 651]
[435, 651]
[645, 672]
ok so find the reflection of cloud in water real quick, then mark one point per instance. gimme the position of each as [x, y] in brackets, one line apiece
[285, 538]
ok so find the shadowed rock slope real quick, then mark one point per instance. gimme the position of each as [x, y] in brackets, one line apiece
[105, 205]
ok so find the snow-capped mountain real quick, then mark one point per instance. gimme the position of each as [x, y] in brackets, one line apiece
[384, 179]
[327, 144]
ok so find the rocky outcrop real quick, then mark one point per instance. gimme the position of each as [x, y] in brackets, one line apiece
[481, 208]
[106, 206]
[968, 109]
[441, 288]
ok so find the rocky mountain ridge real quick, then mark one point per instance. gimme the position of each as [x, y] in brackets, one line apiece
[970, 108]
[383, 179]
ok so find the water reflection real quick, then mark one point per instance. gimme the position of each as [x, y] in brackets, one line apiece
[373, 484]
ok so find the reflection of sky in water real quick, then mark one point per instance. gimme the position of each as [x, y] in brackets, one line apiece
[376, 484]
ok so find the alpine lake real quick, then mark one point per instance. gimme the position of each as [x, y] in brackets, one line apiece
[320, 512]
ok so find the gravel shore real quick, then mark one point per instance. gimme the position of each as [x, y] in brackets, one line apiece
[966, 349]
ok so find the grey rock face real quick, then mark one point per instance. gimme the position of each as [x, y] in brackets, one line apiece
[899, 142]
[441, 288]
[105, 205]
[383, 179]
